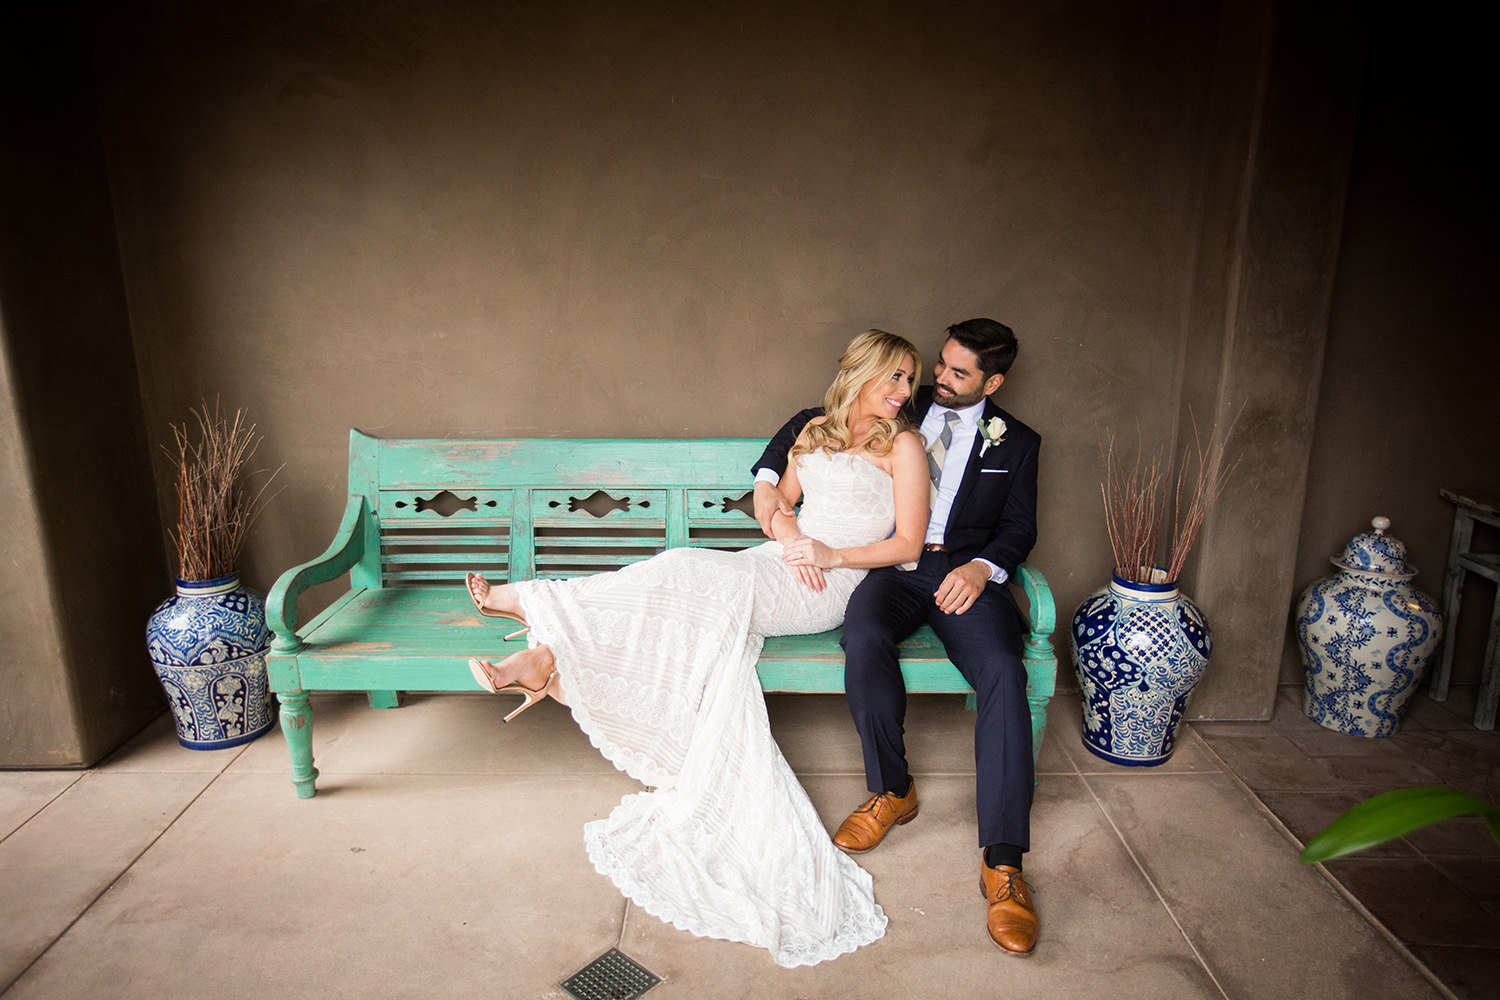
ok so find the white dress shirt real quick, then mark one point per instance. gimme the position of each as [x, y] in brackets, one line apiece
[954, 465]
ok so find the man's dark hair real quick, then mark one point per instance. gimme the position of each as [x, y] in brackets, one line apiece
[994, 343]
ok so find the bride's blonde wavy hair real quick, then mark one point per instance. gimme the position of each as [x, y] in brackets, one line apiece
[873, 354]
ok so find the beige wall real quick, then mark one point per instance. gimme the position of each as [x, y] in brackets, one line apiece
[448, 219]
[663, 219]
[83, 562]
[1408, 399]
[553, 219]
[455, 219]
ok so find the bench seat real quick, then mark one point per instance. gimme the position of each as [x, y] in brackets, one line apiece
[418, 517]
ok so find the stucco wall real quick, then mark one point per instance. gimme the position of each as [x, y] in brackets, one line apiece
[1408, 399]
[588, 218]
[82, 562]
[469, 219]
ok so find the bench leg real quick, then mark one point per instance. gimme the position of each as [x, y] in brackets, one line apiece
[1038, 726]
[1041, 682]
[296, 725]
[383, 699]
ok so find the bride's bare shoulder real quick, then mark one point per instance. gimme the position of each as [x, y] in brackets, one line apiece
[909, 442]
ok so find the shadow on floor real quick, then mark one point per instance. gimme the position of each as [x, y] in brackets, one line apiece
[1436, 890]
[442, 857]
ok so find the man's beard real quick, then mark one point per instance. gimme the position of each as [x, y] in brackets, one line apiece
[956, 402]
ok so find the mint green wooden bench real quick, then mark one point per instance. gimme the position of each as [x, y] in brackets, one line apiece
[421, 513]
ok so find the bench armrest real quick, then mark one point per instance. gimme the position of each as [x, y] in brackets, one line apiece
[340, 557]
[1036, 650]
[1041, 610]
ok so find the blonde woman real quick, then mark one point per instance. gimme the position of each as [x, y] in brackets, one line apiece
[657, 663]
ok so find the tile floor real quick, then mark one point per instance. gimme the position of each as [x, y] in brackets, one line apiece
[1438, 889]
[442, 858]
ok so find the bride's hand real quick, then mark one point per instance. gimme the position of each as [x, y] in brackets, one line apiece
[812, 578]
[809, 557]
[806, 551]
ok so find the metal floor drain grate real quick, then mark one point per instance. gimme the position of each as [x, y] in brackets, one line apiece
[611, 976]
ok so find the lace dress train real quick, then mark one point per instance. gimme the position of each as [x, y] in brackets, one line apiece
[657, 662]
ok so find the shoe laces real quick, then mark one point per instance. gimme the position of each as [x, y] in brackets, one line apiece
[886, 799]
[1009, 890]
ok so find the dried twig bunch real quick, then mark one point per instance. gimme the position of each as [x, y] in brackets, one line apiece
[1135, 504]
[217, 500]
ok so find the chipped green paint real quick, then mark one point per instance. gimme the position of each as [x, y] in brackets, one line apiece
[526, 508]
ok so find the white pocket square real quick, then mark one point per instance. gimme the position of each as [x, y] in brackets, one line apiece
[994, 470]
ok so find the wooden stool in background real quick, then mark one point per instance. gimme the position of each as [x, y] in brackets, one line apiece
[1469, 508]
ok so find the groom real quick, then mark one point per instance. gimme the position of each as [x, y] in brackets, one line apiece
[984, 467]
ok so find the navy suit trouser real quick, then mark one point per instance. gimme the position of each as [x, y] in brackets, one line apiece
[985, 644]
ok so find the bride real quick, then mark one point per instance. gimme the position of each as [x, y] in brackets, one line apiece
[657, 663]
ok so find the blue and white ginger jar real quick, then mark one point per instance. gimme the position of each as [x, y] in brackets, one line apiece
[1140, 649]
[208, 645]
[1366, 636]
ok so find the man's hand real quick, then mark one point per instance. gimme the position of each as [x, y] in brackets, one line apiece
[962, 587]
[770, 501]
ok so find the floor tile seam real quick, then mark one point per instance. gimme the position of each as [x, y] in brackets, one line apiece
[1155, 889]
[1339, 888]
[1451, 882]
[5, 988]
[1457, 855]
[624, 923]
[1143, 772]
[1401, 946]
[913, 771]
[157, 770]
[43, 807]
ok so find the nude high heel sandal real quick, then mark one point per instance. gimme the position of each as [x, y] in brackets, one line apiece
[469, 579]
[531, 696]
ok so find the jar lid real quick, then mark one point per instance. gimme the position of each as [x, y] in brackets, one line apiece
[1375, 553]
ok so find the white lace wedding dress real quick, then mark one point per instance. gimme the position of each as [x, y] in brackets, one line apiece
[657, 662]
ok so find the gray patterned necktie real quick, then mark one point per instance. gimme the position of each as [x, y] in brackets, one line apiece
[938, 452]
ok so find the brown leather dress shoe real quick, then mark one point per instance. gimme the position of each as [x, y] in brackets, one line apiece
[1012, 920]
[867, 826]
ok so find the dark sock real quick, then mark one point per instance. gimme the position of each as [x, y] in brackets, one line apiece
[901, 792]
[1008, 855]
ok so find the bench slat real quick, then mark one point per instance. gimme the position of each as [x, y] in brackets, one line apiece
[472, 543]
[441, 620]
[540, 463]
[467, 559]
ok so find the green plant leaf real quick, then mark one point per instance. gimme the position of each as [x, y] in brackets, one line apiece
[1395, 814]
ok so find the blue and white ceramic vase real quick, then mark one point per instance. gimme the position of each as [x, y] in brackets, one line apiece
[1367, 636]
[208, 645]
[1140, 648]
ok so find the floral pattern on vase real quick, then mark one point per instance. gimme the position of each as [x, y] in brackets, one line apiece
[1366, 636]
[208, 644]
[1140, 649]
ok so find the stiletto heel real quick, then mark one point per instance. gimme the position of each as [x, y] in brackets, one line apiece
[469, 579]
[531, 695]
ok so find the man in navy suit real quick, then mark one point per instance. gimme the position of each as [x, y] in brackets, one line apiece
[983, 524]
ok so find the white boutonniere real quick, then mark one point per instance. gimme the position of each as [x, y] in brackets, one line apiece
[993, 432]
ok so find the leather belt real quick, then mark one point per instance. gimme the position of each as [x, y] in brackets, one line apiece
[934, 547]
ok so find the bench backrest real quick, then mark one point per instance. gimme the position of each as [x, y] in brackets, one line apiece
[548, 507]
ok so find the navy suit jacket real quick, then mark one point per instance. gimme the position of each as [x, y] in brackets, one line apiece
[994, 513]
